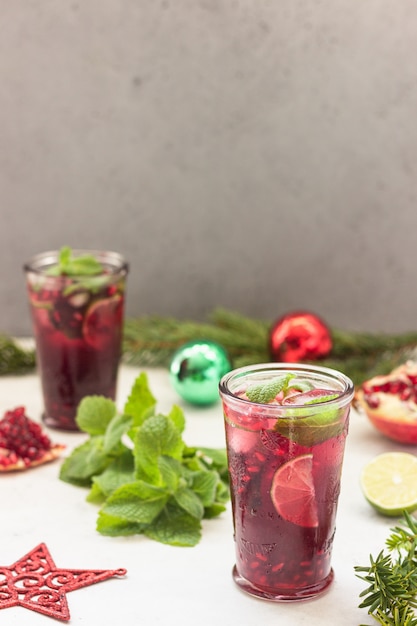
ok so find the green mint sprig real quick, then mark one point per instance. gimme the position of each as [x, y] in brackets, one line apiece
[264, 393]
[142, 474]
[299, 425]
[391, 593]
[85, 270]
[69, 265]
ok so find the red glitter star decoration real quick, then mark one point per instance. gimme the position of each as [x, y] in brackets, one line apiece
[35, 583]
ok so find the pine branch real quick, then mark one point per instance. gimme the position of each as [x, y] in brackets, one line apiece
[151, 341]
[13, 359]
[367, 344]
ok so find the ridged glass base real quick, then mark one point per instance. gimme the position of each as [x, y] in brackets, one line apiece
[283, 595]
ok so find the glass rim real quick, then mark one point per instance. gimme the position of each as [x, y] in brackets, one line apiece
[327, 373]
[38, 263]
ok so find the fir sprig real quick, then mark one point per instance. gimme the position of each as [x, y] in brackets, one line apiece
[13, 358]
[151, 341]
[390, 596]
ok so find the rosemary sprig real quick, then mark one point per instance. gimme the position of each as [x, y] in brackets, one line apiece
[390, 596]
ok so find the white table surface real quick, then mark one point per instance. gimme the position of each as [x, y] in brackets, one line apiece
[173, 585]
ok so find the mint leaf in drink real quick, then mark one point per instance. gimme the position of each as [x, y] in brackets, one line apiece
[85, 265]
[141, 472]
[300, 385]
[70, 265]
[93, 284]
[264, 393]
[65, 256]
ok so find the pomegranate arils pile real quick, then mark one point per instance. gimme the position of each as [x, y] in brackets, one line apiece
[402, 382]
[23, 443]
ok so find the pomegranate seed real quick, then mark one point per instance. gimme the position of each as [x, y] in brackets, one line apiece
[396, 386]
[385, 387]
[406, 393]
[372, 401]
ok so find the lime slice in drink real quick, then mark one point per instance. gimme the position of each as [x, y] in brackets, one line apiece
[101, 320]
[311, 421]
[389, 483]
[293, 494]
[311, 396]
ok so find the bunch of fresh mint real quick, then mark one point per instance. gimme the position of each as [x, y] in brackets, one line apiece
[138, 468]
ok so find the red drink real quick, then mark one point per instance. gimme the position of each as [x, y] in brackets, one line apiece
[285, 462]
[78, 325]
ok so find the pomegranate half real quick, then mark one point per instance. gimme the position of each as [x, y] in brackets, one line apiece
[23, 444]
[390, 402]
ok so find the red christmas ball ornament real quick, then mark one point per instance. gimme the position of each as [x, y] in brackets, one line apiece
[299, 336]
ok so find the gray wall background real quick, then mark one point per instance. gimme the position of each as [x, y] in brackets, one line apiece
[257, 155]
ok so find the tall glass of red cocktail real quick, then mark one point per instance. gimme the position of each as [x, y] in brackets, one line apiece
[286, 426]
[77, 304]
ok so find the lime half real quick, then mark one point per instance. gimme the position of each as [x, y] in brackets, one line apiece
[389, 483]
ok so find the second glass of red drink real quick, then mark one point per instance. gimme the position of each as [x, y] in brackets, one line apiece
[77, 305]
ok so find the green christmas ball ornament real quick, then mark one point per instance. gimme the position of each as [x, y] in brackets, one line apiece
[196, 369]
